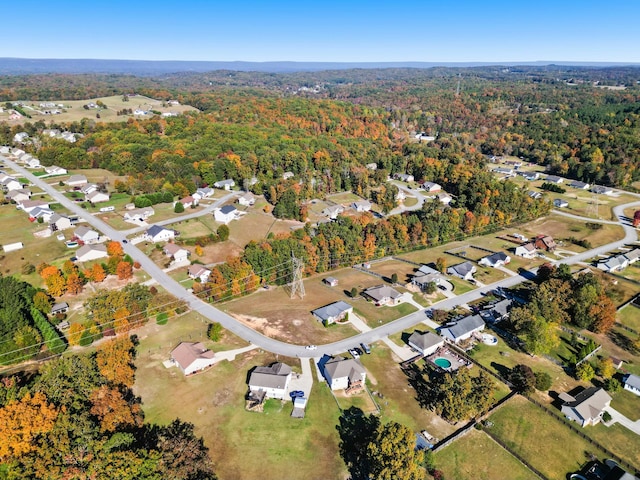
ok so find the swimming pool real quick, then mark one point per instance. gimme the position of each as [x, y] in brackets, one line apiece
[442, 362]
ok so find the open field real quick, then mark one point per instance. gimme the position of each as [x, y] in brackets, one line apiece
[627, 403]
[542, 440]
[344, 198]
[476, 456]
[73, 111]
[388, 267]
[271, 441]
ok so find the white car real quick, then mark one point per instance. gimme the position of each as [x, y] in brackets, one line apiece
[311, 347]
[354, 353]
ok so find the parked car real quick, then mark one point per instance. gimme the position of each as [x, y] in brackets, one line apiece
[297, 394]
[311, 347]
[366, 348]
[354, 353]
[359, 351]
[125, 241]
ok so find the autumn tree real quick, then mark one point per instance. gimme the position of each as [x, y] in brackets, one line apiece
[585, 372]
[56, 284]
[121, 320]
[115, 361]
[603, 312]
[124, 270]
[74, 284]
[112, 410]
[114, 249]
[392, 454]
[22, 422]
[606, 368]
[42, 302]
[184, 456]
[75, 333]
[97, 273]
[522, 378]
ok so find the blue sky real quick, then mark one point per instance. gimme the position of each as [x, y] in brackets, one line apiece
[340, 31]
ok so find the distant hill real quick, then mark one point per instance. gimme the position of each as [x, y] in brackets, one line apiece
[27, 66]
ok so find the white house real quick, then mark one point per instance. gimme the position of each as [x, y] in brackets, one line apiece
[76, 180]
[86, 234]
[463, 328]
[526, 250]
[225, 214]
[29, 205]
[632, 383]
[554, 179]
[272, 381]
[362, 206]
[404, 177]
[383, 295]
[156, 233]
[59, 222]
[614, 264]
[191, 357]
[344, 373]
[579, 185]
[45, 212]
[372, 166]
[601, 190]
[97, 197]
[198, 271]
[55, 170]
[333, 211]
[287, 175]
[444, 198]
[138, 214]
[587, 407]
[247, 200]
[464, 270]
[425, 343]
[18, 195]
[20, 137]
[33, 163]
[227, 184]
[498, 259]
[426, 275]
[178, 253]
[560, 203]
[431, 187]
[333, 312]
[88, 188]
[204, 192]
[10, 183]
[87, 253]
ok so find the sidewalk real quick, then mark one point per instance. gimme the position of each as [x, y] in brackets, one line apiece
[230, 355]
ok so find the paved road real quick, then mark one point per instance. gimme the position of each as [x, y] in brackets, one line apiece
[282, 348]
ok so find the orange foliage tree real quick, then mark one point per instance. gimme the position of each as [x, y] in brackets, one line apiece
[604, 313]
[114, 249]
[113, 410]
[124, 270]
[74, 284]
[114, 361]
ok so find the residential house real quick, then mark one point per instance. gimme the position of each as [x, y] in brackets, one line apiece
[444, 198]
[633, 255]
[178, 253]
[97, 197]
[272, 381]
[425, 343]
[498, 259]
[560, 203]
[554, 179]
[632, 383]
[225, 214]
[33, 163]
[497, 312]
[535, 195]
[76, 180]
[505, 171]
[362, 206]
[247, 200]
[55, 170]
[41, 212]
[463, 328]
[531, 176]
[4, 150]
[88, 188]
[192, 357]
[204, 192]
[139, 112]
[614, 264]
[333, 312]
[59, 222]
[196, 271]
[426, 275]
[579, 185]
[10, 183]
[331, 281]
[372, 166]
[345, 373]
[17, 152]
[464, 270]
[383, 295]
[70, 137]
[86, 235]
[187, 201]
[28, 205]
[431, 187]
[545, 242]
[404, 177]
[587, 407]
[156, 233]
[333, 211]
[423, 137]
[526, 250]
[18, 195]
[287, 175]
[20, 137]
[227, 184]
[87, 253]
[601, 190]
[138, 214]
[62, 307]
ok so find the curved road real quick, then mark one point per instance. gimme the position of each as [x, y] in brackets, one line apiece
[277, 346]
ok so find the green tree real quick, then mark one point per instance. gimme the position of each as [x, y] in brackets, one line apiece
[214, 331]
[354, 292]
[179, 208]
[543, 381]
[585, 372]
[606, 369]
[223, 233]
[522, 378]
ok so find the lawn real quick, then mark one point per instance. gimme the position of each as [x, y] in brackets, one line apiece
[541, 439]
[460, 286]
[242, 444]
[619, 440]
[344, 198]
[387, 268]
[376, 316]
[627, 404]
[476, 456]
[630, 316]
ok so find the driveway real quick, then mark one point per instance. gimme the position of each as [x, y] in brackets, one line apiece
[617, 417]
[304, 380]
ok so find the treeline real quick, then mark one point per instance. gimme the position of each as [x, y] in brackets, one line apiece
[24, 330]
[78, 418]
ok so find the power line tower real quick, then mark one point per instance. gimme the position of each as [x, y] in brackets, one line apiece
[593, 205]
[297, 285]
[458, 87]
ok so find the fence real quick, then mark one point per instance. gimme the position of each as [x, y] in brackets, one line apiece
[515, 454]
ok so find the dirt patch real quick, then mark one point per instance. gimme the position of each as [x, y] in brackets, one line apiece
[261, 325]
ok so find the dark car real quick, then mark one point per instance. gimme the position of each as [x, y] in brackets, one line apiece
[297, 394]
[125, 241]
[366, 348]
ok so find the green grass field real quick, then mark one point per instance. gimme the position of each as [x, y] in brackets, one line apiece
[476, 456]
[630, 316]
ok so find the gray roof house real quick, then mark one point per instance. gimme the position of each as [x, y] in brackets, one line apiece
[632, 383]
[425, 343]
[463, 329]
[273, 380]
[497, 312]
[333, 312]
[614, 264]
[578, 184]
[587, 407]
[383, 295]
[192, 357]
[464, 270]
[494, 260]
[601, 190]
[227, 184]
[554, 179]
[344, 373]
[560, 203]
